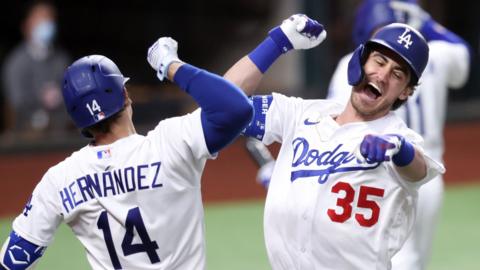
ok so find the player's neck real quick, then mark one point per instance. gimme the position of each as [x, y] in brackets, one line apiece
[120, 129]
[351, 115]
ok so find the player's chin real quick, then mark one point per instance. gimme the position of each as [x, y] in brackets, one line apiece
[368, 108]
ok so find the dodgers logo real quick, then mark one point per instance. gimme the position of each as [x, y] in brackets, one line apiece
[28, 206]
[405, 38]
[322, 164]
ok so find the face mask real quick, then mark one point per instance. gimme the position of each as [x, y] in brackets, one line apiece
[44, 33]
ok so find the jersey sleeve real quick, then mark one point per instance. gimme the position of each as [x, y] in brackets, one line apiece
[41, 215]
[454, 59]
[181, 137]
[281, 117]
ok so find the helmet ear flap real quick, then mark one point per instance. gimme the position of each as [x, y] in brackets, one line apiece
[355, 69]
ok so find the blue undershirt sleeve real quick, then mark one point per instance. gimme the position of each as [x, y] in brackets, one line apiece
[226, 110]
[432, 30]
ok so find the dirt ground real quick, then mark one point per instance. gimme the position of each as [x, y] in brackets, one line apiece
[232, 175]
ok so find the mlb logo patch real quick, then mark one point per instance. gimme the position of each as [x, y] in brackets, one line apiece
[104, 154]
[99, 116]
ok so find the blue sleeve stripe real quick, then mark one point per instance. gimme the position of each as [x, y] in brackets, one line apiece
[256, 128]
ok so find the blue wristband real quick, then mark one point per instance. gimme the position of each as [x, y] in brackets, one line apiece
[405, 155]
[265, 54]
[277, 35]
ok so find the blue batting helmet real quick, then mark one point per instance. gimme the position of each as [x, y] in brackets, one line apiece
[93, 90]
[400, 38]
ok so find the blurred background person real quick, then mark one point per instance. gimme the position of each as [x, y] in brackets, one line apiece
[425, 110]
[32, 74]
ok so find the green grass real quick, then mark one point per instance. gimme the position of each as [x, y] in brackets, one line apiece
[457, 242]
[235, 238]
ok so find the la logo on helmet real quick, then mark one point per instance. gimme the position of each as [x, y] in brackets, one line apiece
[405, 38]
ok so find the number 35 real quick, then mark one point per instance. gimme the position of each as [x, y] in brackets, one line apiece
[363, 202]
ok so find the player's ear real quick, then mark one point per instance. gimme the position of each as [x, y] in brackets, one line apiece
[408, 91]
[128, 101]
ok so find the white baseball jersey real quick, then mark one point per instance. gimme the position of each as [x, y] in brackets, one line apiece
[448, 67]
[133, 204]
[324, 208]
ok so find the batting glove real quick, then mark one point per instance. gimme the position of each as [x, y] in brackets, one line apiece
[161, 54]
[298, 32]
[380, 148]
[412, 13]
[265, 174]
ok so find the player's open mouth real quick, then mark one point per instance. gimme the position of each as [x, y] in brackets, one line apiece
[372, 91]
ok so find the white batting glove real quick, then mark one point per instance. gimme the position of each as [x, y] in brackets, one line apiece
[301, 32]
[161, 54]
[414, 15]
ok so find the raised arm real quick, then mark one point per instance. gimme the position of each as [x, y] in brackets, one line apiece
[245, 74]
[297, 32]
[225, 109]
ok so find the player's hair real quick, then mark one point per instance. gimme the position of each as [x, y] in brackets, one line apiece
[400, 102]
[104, 126]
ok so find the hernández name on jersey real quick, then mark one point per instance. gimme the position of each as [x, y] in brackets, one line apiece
[109, 183]
[310, 162]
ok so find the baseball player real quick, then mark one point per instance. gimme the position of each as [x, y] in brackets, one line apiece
[424, 112]
[133, 201]
[344, 187]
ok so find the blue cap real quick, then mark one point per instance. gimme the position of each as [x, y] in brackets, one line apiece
[405, 41]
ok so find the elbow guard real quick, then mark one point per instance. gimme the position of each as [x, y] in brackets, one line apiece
[19, 254]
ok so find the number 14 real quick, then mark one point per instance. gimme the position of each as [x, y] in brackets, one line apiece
[134, 221]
